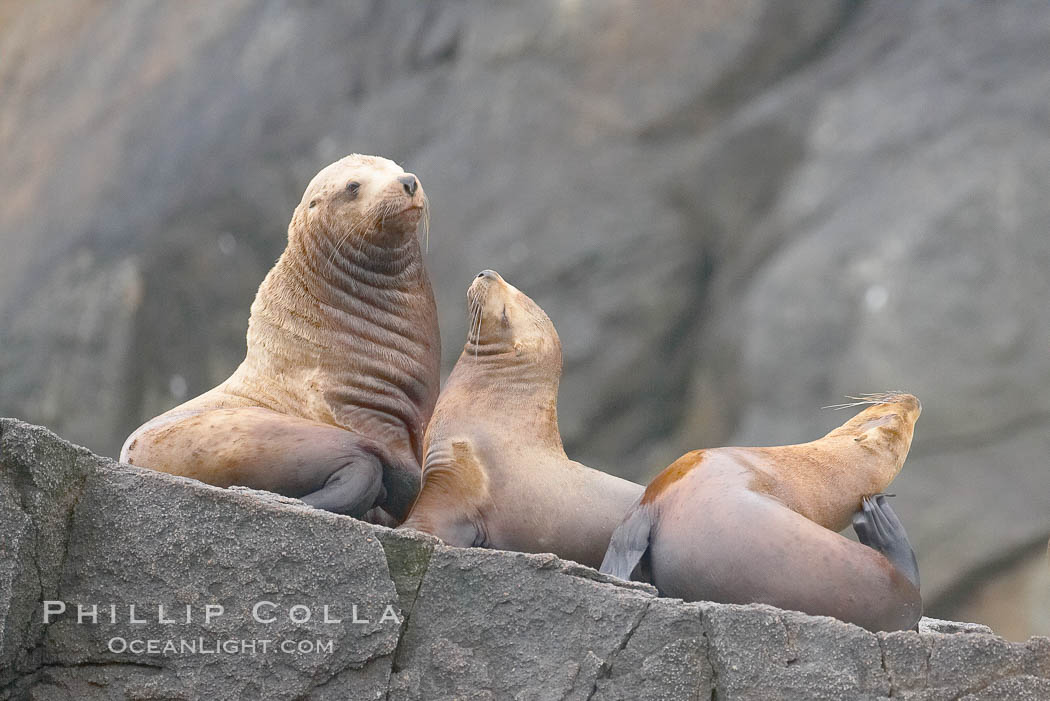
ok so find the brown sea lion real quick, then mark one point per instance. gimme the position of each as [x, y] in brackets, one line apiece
[495, 473]
[759, 525]
[342, 368]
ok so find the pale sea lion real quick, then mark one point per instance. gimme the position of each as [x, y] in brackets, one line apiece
[760, 525]
[495, 473]
[342, 368]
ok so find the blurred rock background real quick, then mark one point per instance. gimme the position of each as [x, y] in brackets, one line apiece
[735, 212]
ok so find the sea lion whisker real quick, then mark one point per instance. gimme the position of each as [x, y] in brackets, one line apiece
[478, 315]
[867, 398]
[335, 249]
[426, 224]
[474, 332]
[836, 407]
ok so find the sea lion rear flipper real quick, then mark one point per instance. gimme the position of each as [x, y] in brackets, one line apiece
[878, 527]
[629, 542]
[328, 467]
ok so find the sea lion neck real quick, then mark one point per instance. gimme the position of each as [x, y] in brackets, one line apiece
[348, 340]
[364, 256]
[500, 365]
[363, 285]
[827, 477]
[516, 389]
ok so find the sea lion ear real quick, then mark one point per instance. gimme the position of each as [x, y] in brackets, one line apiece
[870, 427]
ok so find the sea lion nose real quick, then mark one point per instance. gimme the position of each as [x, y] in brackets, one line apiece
[490, 274]
[409, 182]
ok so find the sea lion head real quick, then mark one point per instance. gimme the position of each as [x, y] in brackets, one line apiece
[902, 407]
[887, 423]
[503, 319]
[362, 198]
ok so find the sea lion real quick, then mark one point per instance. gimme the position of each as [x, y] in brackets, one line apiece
[342, 368]
[495, 473]
[759, 525]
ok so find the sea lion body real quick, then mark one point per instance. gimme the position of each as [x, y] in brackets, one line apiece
[341, 372]
[495, 472]
[744, 525]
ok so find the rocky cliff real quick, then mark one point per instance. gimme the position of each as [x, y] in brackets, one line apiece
[265, 598]
[734, 212]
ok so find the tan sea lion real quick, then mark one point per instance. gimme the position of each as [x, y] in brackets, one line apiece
[759, 525]
[495, 473]
[342, 368]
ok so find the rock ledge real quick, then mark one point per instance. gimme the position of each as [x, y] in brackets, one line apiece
[406, 617]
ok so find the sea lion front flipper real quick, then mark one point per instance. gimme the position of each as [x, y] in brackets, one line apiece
[878, 527]
[455, 489]
[353, 488]
[629, 542]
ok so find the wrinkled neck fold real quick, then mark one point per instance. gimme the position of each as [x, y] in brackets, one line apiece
[346, 331]
[523, 394]
[501, 363]
[329, 255]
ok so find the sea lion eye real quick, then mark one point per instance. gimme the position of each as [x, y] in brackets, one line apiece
[352, 187]
[313, 203]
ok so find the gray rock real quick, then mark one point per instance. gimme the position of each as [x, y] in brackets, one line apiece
[466, 623]
[664, 657]
[936, 625]
[971, 662]
[41, 478]
[1022, 688]
[798, 656]
[906, 662]
[130, 537]
[519, 609]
